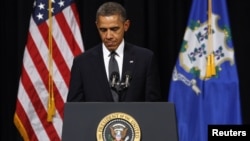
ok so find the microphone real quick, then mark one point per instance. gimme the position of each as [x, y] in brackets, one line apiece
[114, 77]
[127, 78]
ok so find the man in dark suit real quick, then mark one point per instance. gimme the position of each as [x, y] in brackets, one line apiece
[90, 80]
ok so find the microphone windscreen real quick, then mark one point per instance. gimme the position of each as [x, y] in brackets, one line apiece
[114, 75]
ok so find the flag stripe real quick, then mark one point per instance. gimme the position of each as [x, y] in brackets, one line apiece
[39, 109]
[43, 72]
[57, 56]
[41, 89]
[76, 20]
[67, 31]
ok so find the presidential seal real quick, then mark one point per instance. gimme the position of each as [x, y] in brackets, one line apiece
[118, 127]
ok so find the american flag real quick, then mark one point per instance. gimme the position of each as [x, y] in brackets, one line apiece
[54, 38]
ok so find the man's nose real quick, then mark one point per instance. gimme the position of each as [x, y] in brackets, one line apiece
[109, 34]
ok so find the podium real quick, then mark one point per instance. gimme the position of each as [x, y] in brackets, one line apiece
[144, 121]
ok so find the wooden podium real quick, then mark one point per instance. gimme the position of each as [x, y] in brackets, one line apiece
[147, 121]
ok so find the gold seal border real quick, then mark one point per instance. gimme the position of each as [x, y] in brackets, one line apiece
[118, 115]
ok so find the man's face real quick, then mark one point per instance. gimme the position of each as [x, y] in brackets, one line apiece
[111, 30]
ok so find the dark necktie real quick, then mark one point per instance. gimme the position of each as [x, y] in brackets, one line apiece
[114, 70]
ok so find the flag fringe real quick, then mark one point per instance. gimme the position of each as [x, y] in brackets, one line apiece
[20, 128]
[51, 109]
[210, 70]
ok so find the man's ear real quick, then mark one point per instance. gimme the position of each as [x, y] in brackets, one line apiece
[96, 23]
[126, 25]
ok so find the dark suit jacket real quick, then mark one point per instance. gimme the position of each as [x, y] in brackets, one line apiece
[89, 80]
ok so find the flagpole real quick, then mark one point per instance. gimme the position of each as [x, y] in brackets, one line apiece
[51, 100]
[210, 70]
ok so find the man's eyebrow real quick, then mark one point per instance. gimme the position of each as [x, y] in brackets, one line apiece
[111, 28]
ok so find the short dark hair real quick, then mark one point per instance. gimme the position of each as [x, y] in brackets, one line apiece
[111, 8]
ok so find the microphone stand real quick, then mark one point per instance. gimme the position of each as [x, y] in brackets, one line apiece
[118, 85]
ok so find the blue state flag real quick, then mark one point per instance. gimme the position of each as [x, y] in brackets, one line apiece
[204, 85]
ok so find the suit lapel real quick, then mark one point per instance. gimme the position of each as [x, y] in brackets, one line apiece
[128, 60]
[101, 75]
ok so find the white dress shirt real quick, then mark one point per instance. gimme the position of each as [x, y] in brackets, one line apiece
[118, 57]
